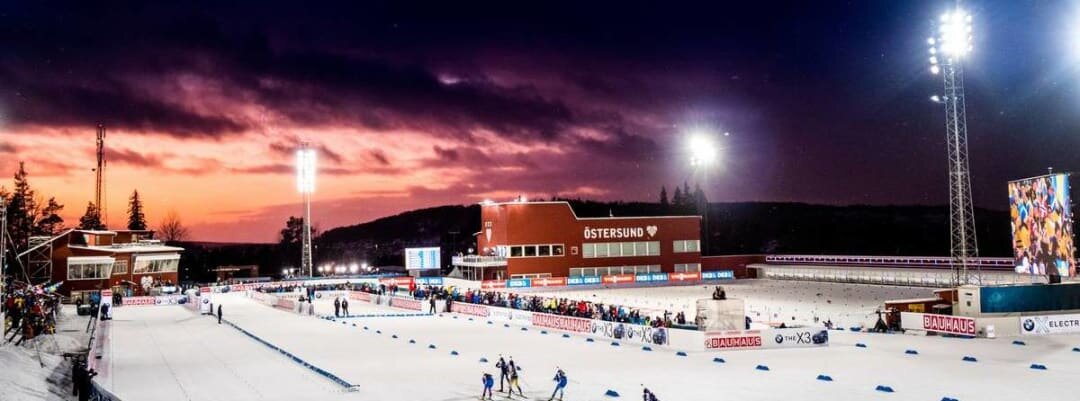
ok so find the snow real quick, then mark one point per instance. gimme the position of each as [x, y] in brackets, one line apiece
[23, 378]
[170, 353]
[767, 301]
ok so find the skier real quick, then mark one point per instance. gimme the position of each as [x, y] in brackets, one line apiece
[488, 382]
[560, 384]
[514, 380]
[648, 395]
[345, 307]
[337, 307]
[219, 314]
[504, 370]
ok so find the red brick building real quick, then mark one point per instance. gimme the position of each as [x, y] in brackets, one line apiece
[547, 239]
[121, 260]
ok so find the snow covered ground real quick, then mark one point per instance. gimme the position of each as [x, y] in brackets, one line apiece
[22, 376]
[767, 301]
[169, 353]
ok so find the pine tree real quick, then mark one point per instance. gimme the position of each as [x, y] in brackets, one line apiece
[21, 209]
[663, 198]
[701, 204]
[677, 200]
[49, 221]
[92, 219]
[136, 218]
[688, 197]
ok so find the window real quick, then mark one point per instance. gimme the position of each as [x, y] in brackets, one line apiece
[556, 250]
[120, 266]
[544, 250]
[156, 264]
[687, 267]
[536, 250]
[687, 246]
[89, 267]
[621, 249]
[515, 251]
[530, 250]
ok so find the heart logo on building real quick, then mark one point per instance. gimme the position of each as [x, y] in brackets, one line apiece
[651, 230]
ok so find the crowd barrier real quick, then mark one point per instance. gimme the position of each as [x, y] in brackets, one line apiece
[150, 301]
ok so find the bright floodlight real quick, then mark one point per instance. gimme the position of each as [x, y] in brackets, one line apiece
[955, 34]
[353, 268]
[702, 150]
[305, 170]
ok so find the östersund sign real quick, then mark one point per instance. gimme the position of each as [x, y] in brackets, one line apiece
[619, 232]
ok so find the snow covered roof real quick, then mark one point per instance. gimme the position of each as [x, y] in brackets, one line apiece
[129, 248]
[98, 232]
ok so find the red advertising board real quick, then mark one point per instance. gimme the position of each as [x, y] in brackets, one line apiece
[492, 284]
[719, 341]
[549, 282]
[405, 303]
[618, 278]
[359, 296]
[695, 276]
[567, 323]
[398, 281]
[949, 324]
[469, 309]
[204, 290]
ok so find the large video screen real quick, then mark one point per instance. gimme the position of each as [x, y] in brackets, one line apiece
[1041, 225]
[422, 258]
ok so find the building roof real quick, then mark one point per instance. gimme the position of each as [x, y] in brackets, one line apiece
[128, 248]
[572, 212]
[97, 232]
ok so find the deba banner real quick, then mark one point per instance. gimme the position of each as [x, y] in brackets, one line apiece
[1049, 324]
[959, 325]
[777, 338]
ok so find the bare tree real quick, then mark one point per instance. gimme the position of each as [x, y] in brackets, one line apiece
[172, 229]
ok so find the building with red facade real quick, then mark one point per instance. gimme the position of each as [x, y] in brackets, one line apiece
[547, 239]
[126, 261]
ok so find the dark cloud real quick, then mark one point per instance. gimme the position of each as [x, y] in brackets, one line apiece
[379, 157]
[7, 148]
[133, 158]
[288, 149]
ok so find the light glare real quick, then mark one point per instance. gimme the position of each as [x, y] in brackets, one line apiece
[702, 150]
[305, 170]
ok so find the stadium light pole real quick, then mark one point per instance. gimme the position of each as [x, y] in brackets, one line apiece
[703, 154]
[305, 184]
[948, 47]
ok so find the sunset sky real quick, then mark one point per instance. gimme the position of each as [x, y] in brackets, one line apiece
[440, 103]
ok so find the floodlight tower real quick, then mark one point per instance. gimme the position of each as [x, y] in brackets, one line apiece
[305, 184]
[948, 46]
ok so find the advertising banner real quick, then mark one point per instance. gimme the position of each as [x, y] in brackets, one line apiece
[695, 276]
[618, 278]
[145, 301]
[1049, 324]
[777, 338]
[470, 309]
[330, 294]
[630, 332]
[959, 325]
[651, 278]
[718, 275]
[548, 282]
[492, 284]
[286, 303]
[519, 283]
[429, 281]
[405, 303]
[398, 281]
[359, 296]
[204, 302]
[574, 324]
[583, 280]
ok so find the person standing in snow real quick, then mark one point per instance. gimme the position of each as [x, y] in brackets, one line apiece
[514, 380]
[432, 302]
[345, 307]
[337, 307]
[504, 371]
[560, 384]
[648, 395]
[489, 383]
[219, 314]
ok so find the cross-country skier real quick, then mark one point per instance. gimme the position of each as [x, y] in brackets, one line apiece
[648, 395]
[560, 384]
[488, 382]
[514, 380]
[504, 371]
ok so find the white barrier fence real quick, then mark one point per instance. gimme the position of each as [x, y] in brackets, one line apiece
[1049, 324]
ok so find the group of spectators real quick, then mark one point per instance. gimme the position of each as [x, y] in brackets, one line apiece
[31, 311]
